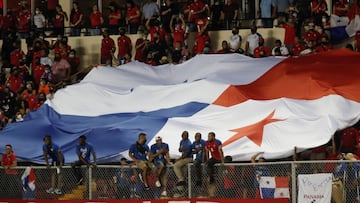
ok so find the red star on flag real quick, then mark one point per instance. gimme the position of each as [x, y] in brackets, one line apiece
[254, 131]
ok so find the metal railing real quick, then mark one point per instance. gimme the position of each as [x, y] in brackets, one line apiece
[233, 180]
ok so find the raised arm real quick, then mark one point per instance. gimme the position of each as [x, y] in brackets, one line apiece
[253, 158]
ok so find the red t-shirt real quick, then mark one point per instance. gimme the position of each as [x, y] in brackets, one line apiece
[15, 56]
[32, 101]
[64, 51]
[124, 45]
[95, 19]
[201, 23]
[107, 46]
[214, 147]
[15, 82]
[321, 9]
[311, 35]
[297, 49]
[320, 48]
[133, 12]
[139, 56]
[348, 138]
[290, 33]
[59, 20]
[340, 4]
[23, 20]
[357, 39]
[195, 7]
[261, 51]
[7, 160]
[38, 71]
[178, 36]
[162, 33]
[75, 16]
[112, 20]
[201, 41]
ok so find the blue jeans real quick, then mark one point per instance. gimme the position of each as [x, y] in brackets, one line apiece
[95, 31]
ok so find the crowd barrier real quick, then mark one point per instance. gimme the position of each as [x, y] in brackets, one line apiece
[232, 181]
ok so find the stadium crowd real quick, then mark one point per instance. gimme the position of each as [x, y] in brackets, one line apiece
[29, 77]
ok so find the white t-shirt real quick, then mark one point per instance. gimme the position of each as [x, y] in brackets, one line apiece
[235, 42]
[253, 40]
[283, 50]
[39, 21]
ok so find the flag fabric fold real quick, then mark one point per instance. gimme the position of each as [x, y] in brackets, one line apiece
[274, 187]
[28, 179]
[345, 26]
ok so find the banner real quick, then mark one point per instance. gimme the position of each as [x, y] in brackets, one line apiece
[274, 187]
[315, 188]
[153, 201]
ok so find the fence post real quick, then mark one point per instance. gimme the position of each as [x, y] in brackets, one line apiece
[90, 184]
[293, 182]
[189, 179]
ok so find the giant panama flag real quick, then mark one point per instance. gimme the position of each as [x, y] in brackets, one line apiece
[253, 105]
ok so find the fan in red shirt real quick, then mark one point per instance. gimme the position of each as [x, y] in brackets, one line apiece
[214, 148]
[341, 7]
[114, 18]
[124, 45]
[201, 40]
[324, 45]
[225, 48]
[96, 20]
[38, 70]
[140, 45]
[311, 34]
[59, 20]
[15, 80]
[8, 161]
[63, 49]
[348, 140]
[290, 33]
[132, 16]
[16, 55]
[153, 25]
[107, 48]
[23, 22]
[298, 47]
[357, 41]
[178, 30]
[76, 17]
[194, 9]
[261, 50]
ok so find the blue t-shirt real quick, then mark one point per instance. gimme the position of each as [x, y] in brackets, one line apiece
[186, 147]
[156, 148]
[196, 145]
[84, 151]
[52, 151]
[139, 151]
[123, 176]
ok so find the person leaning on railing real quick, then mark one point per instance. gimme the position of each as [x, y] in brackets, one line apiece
[10, 187]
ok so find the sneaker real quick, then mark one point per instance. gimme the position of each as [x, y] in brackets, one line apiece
[181, 183]
[141, 178]
[80, 182]
[157, 183]
[164, 193]
[147, 187]
[50, 191]
[58, 192]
